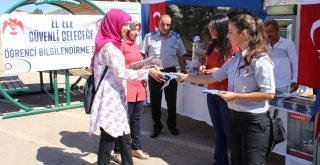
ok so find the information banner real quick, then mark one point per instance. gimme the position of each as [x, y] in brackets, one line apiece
[300, 137]
[47, 42]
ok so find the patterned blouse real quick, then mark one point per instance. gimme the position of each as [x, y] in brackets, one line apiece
[109, 108]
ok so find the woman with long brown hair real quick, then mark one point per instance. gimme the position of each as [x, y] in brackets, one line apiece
[218, 52]
[250, 85]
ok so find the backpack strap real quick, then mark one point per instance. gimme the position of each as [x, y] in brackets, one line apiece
[103, 74]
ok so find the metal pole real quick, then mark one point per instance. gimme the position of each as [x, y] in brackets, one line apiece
[8, 97]
[67, 86]
[39, 111]
[55, 88]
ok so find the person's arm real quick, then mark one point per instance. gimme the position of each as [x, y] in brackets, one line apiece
[113, 56]
[144, 48]
[198, 79]
[181, 54]
[250, 97]
[203, 70]
[293, 57]
[182, 64]
[218, 75]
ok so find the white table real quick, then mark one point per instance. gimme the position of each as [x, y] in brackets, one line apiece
[191, 102]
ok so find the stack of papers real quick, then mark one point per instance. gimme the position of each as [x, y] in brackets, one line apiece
[141, 64]
[149, 62]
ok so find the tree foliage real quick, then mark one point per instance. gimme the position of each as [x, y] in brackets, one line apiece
[190, 21]
[37, 11]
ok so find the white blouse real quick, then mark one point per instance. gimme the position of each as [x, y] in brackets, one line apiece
[109, 108]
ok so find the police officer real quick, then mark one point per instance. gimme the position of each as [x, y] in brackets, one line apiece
[166, 46]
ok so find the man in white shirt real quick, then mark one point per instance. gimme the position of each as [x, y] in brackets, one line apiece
[284, 57]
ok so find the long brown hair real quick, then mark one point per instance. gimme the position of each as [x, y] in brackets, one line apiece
[257, 39]
[220, 24]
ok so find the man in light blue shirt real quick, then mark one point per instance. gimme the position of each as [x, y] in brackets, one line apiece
[284, 57]
[167, 47]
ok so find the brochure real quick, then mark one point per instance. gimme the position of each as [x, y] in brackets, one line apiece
[141, 64]
[213, 92]
[170, 76]
[148, 62]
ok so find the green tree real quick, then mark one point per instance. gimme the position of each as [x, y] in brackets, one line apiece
[190, 21]
[37, 11]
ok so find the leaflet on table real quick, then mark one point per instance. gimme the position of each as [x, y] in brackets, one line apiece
[295, 104]
[213, 91]
[170, 76]
[150, 61]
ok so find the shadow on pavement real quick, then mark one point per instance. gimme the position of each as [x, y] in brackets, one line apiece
[34, 98]
[80, 140]
[55, 155]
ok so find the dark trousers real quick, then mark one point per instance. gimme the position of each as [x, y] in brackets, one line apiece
[135, 111]
[220, 117]
[106, 145]
[249, 138]
[171, 97]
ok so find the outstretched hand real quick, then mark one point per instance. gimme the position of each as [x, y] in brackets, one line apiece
[181, 76]
[157, 75]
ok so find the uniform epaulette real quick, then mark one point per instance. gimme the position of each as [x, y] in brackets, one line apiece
[175, 34]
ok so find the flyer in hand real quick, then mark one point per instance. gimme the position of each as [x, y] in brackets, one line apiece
[141, 64]
[170, 76]
[150, 61]
[213, 92]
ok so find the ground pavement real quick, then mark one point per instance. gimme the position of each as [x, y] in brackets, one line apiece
[62, 138]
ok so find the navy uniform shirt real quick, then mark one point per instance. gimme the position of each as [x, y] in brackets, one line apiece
[256, 77]
[166, 48]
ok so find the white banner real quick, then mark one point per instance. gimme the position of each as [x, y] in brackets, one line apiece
[132, 8]
[47, 42]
